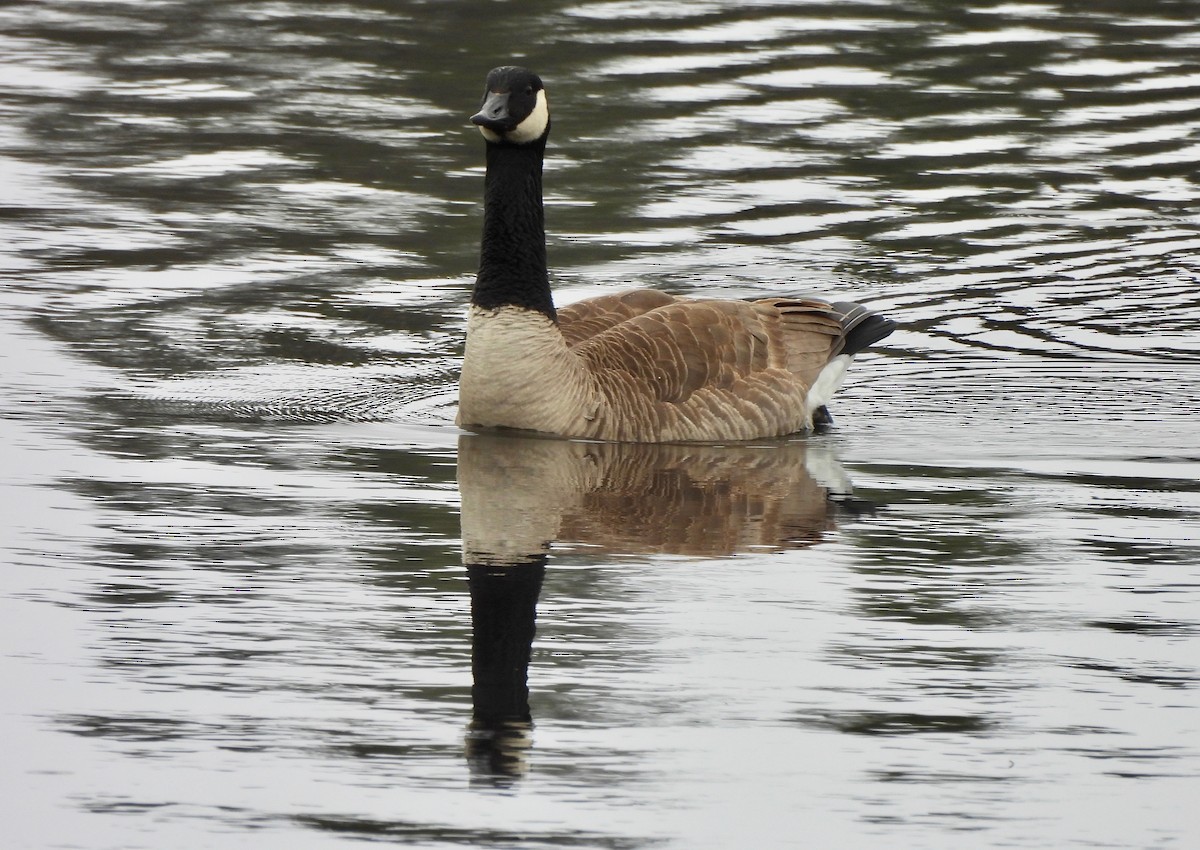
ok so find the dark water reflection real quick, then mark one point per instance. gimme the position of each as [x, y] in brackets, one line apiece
[238, 241]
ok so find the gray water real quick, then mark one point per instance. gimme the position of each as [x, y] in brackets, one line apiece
[251, 570]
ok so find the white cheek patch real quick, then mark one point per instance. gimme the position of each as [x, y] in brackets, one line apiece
[490, 135]
[532, 127]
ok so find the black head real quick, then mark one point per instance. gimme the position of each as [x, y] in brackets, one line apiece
[514, 109]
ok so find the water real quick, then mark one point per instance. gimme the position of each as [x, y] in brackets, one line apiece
[239, 597]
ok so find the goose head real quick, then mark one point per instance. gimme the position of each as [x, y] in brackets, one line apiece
[514, 109]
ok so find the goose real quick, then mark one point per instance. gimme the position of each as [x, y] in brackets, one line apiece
[640, 365]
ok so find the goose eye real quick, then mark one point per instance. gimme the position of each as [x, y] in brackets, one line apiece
[528, 90]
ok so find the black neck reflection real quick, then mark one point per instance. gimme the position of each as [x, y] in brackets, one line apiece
[503, 613]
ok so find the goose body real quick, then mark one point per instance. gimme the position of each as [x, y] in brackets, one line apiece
[636, 366]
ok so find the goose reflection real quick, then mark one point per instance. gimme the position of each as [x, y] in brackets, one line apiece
[521, 495]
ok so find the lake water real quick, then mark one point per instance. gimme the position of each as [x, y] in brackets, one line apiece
[259, 591]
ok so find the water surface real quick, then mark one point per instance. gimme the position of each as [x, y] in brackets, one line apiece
[258, 589]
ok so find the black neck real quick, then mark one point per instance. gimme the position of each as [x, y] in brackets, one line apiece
[512, 261]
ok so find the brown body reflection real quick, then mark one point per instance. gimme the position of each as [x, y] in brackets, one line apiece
[521, 494]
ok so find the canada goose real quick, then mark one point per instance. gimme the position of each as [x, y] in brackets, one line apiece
[636, 366]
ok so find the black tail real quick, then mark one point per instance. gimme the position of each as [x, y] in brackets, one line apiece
[863, 328]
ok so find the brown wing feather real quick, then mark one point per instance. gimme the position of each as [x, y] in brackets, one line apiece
[811, 332]
[584, 319]
[667, 368]
[676, 350]
[678, 345]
